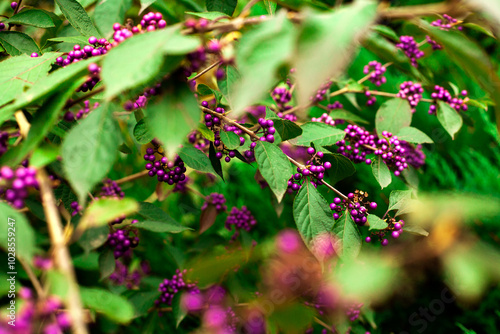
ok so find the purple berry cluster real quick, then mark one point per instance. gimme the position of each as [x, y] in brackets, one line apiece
[446, 23]
[315, 170]
[335, 105]
[432, 43]
[268, 129]
[256, 111]
[198, 141]
[181, 186]
[152, 21]
[96, 48]
[111, 189]
[376, 71]
[4, 142]
[166, 171]
[325, 118]
[131, 279]
[410, 48]
[371, 99]
[240, 219]
[394, 228]
[412, 92]
[217, 200]
[353, 311]
[281, 96]
[413, 154]
[141, 100]
[169, 288]
[393, 155]
[212, 121]
[322, 92]
[93, 79]
[77, 208]
[356, 204]
[14, 185]
[442, 94]
[123, 240]
[70, 116]
[357, 144]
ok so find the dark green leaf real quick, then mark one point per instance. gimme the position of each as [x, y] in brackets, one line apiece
[449, 118]
[44, 155]
[228, 84]
[171, 117]
[152, 212]
[89, 150]
[179, 312]
[214, 161]
[230, 139]
[206, 132]
[196, 159]
[322, 54]
[376, 223]
[413, 135]
[24, 237]
[286, 129]
[274, 167]
[107, 263]
[94, 238]
[70, 39]
[319, 133]
[341, 168]
[223, 6]
[115, 307]
[16, 43]
[108, 12]
[348, 233]
[141, 132]
[143, 301]
[161, 226]
[393, 115]
[381, 172]
[77, 17]
[387, 32]
[312, 213]
[32, 17]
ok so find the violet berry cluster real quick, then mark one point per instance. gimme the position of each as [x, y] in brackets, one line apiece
[141, 100]
[412, 92]
[446, 23]
[357, 144]
[390, 150]
[356, 204]
[14, 184]
[433, 43]
[394, 229]
[442, 94]
[216, 200]
[111, 189]
[354, 311]
[96, 48]
[268, 129]
[321, 92]
[325, 118]
[376, 71]
[198, 141]
[69, 116]
[281, 96]
[170, 287]
[77, 208]
[241, 219]
[410, 48]
[166, 171]
[129, 278]
[371, 99]
[314, 170]
[123, 240]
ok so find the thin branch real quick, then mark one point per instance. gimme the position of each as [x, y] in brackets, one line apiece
[62, 258]
[34, 280]
[132, 177]
[319, 321]
[246, 10]
[96, 91]
[206, 70]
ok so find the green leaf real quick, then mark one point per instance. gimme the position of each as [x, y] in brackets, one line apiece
[107, 263]
[145, 4]
[415, 230]
[89, 150]
[286, 129]
[143, 301]
[392, 116]
[114, 307]
[23, 238]
[322, 54]
[206, 132]
[42, 121]
[108, 12]
[341, 168]
[228, 84]
[401, 201]
[70, 39]
[274, 167]
[161, 226]
[93, 238]
[77, 17]
[319, 133]
[270, 7]
[105, 210]
[311, 213]
[196, 159]
[209, 15]
[261, 51]
[449, 118]
[376, 223]
[230, 139]
[347, 231]
[141, 132]
[32, 17]
[381, 172]
[214, 161]
[16, 43]
[386, 32]
[178, 311]
[413, 135]
[154, 213]
[223, 6]
[171, 117]
[19, 73]
[347, 115]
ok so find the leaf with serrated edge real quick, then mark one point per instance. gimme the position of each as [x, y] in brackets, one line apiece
[413, 135]
[449, 118]
[347, 231]
[392, 116]
[376, 223]
[320, 133]
[230, 139]
[196, 159]
[381, 172]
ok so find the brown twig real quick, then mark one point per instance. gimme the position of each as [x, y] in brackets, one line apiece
[34, 280]
[96, 91]
[206, 70]
[132, 177]
[61, 256]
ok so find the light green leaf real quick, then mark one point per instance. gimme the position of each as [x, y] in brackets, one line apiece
[108, 12]
[81, 40]
[178, 311]
[381, 172]
[413, 135]
[223, 6]
[415, 229]
[24, 236]
[32, 17]
[89, 150]
[401, 201]
[376, 223]
[105, 210]
[311, 213]
[449, 118]
[319, 133]
[196, 159]
[160, 226]
[347, 115]
[392, 116]
[77, 17]
[230, 139]
[228, 84]
[114, 307]
[274, 167]
[209, 15]
[44, 155]
[16, 43]
[348, 233]
[270, 6]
